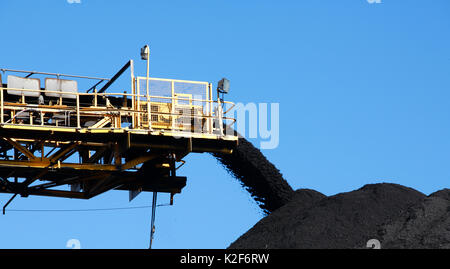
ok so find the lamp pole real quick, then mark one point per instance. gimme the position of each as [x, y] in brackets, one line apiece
[145, 55]
[148, 73]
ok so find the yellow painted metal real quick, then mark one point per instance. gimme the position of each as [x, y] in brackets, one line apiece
[176, 80]
[110, 137]
[47, 164]
[19, 147]
[137, 161]
[164, 118]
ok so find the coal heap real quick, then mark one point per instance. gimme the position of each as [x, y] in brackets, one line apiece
[258, 176]
[395, 215]
[425, 225]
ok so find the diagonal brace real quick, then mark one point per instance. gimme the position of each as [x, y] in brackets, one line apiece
[20, 148]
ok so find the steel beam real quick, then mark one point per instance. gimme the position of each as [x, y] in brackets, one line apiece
[20, 148]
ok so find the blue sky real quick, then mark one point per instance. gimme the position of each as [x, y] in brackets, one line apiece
[363, 91]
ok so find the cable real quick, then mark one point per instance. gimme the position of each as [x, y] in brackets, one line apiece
[84, 210]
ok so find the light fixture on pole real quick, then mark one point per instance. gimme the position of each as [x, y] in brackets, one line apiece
[145, 52]
[145, 55]
[223, 87]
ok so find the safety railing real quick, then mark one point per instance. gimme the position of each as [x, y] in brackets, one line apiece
[178, 112]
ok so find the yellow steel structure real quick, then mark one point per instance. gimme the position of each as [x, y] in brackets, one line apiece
[98, 141]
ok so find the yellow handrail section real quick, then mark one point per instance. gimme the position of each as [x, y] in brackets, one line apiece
[174, 107]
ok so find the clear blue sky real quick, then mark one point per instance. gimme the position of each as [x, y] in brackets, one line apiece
[364, 93]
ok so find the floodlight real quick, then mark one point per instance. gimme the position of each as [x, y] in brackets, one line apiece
[223, 85]
[145, 52]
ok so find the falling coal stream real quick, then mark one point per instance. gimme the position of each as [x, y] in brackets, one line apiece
[258, 175]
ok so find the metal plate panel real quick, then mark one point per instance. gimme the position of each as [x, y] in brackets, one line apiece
[17, 83]
[61, 85]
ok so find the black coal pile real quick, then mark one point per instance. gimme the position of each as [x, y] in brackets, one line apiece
[425, 225]
[397, 216]
[346, 220]
[259, 176]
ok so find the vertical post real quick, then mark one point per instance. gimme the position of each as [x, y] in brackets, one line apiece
[148, 74]
[133, 92]
[138, 103]
[219, 113]
[125, 100]
[173, 105]
[41, 115]
[149, 115]
[152, 231]
[117, 155]
[78, 111]
[2, 108]
[145, 55]
[148, 94]
[210, 98]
